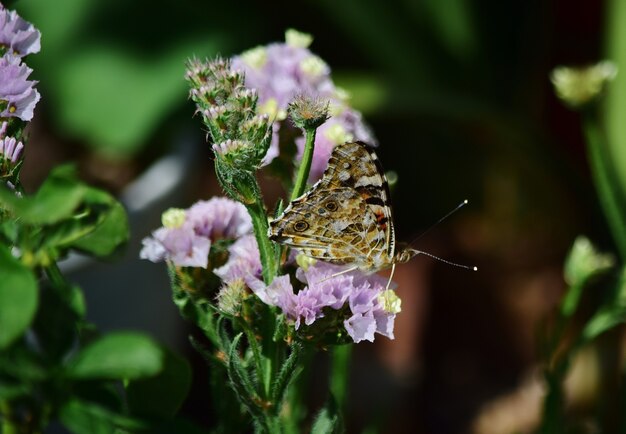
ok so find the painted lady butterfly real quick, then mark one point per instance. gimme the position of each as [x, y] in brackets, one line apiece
[345, 218]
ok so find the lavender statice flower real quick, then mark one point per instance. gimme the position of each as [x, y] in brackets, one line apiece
[372, 309]
[180, 245]
[219, 217]
[244, 262]
[279, 72]
[187, 235]
[10, 149]
[18, 97]
[17, 35]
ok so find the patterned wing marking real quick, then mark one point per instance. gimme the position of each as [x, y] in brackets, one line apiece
[355, 165]
[334, 225]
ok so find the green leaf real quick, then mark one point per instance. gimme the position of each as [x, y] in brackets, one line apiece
[241, 383]
[288, 371]
[328, 420]
[82, 417]
[122, 355]
[18, 298]
[603, 321]
[162, 395]
[56, 199]
[56, 323]
[112, 229]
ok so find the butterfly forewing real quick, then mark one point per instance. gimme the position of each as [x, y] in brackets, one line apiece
[346, 217]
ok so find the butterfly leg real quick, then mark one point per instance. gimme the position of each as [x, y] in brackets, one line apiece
[347, 270]
[393, 269]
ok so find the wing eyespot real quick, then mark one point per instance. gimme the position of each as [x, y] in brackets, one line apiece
[331, 206]
[300, 226]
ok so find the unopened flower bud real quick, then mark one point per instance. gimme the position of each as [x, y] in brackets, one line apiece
[579, 86]
[297, 39]
[231, 296]
[173, 218]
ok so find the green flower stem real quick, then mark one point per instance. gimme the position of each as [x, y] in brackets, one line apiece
[266, 249]
[570, 300]
[305, 165]
[605, 180]
[340, 374]
[56, 278]
[256, 353]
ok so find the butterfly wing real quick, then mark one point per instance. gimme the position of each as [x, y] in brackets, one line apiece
[355, 165]
[345, 218]
[331, 225]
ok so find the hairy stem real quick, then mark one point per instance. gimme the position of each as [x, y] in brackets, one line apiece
[266, 249]
[305, 165]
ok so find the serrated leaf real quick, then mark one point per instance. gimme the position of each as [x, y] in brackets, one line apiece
[162, 395]
[18, 298]
[121, 355]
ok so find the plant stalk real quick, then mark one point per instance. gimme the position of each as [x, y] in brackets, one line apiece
[340, 374]
[266, 249]
[605, 181]
[305, 164]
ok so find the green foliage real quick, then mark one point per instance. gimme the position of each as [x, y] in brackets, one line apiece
[121, 356]
[328, 420]
[171, 385]
[63, 214]
[110, 90]
[18, 298]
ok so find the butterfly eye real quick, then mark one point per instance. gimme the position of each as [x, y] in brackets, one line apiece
[331, 206]
[300, 226]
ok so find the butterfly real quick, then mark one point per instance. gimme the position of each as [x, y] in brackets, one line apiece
[345, 218]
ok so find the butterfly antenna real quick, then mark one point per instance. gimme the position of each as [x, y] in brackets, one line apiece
[445, 261]
[458, 207]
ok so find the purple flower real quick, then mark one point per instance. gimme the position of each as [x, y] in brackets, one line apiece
[244, 261]
[18, 35]
[278, 293]
[18, 97]
[11, 149]
[219, 217]
[279, 72]
[186, 236]
[180, 245]
[369, 303]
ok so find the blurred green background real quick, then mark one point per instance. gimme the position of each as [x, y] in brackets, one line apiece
[458, 94]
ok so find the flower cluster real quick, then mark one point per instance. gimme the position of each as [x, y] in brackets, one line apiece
[186, 236]
[279, 72]
[228, 109]
[18, 96]
[360, 300]
[17, 35]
